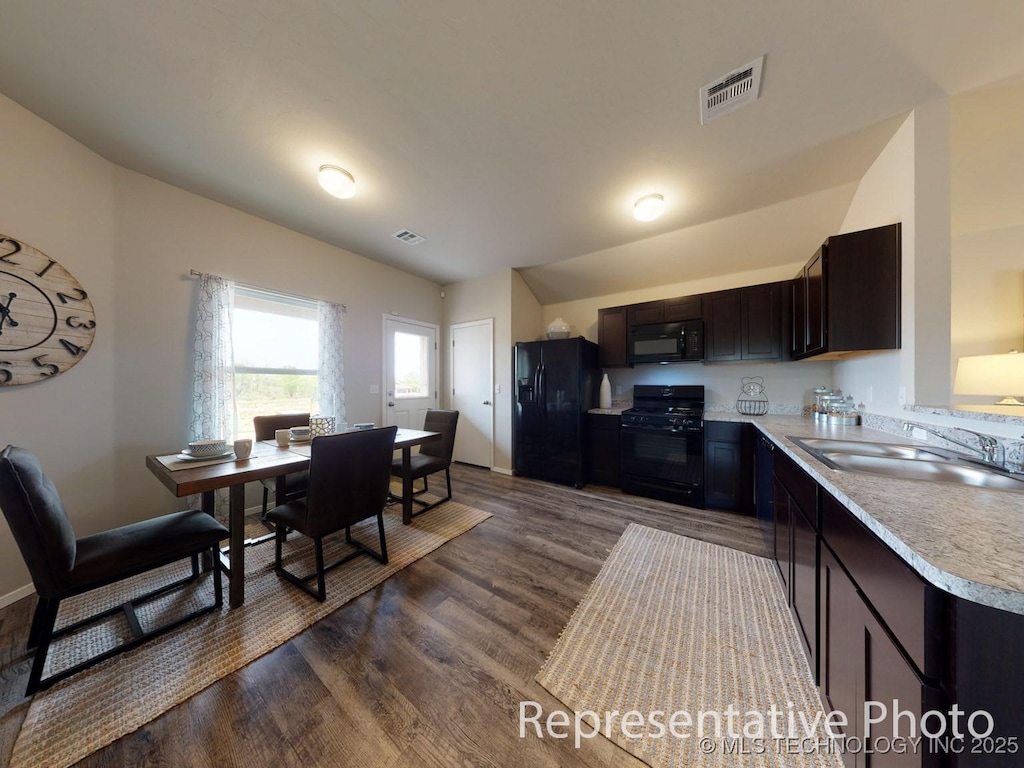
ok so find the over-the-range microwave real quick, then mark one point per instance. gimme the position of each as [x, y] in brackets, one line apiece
[667, 342]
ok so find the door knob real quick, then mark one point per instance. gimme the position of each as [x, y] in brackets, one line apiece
[391, 405]
[487, 402]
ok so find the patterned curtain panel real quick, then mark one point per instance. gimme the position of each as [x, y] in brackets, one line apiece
[213, 406]
[331, 373]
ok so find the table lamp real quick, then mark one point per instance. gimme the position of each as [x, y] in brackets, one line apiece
[997, 375]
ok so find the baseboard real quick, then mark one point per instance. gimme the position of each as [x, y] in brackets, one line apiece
[12, 597]
[502, 471]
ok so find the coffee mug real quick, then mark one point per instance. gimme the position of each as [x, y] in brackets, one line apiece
[243, 448]
[283, 437]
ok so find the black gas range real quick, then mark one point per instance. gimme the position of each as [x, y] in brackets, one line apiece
[662, 444]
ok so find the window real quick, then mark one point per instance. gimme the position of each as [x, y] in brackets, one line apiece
[275, 340]
[412, 365]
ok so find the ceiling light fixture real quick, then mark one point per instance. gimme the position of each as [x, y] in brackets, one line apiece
[337, 181]
[648, 207]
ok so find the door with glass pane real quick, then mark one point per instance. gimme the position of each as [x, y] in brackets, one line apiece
[410, 371]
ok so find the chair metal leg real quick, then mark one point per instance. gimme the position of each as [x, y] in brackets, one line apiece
[321, 581]
[42, 626]
[383, 542]
[37, 621]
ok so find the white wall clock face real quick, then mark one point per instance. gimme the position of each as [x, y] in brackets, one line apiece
[47, 322]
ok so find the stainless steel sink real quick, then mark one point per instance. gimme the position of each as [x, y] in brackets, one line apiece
[907, 462]
[864, 448]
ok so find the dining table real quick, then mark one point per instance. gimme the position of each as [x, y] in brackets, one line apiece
[267, 460]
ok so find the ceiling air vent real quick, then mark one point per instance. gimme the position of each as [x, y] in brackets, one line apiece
[408, 236]
[739, 87]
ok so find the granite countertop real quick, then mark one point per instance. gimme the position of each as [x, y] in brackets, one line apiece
[614, 411]
[968, 541]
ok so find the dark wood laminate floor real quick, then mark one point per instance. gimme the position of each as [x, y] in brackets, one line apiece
[427, 669]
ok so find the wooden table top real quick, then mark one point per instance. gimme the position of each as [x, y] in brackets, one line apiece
[267, 460]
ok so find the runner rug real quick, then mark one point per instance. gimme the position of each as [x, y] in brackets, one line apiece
[94, 708]
[676, 625]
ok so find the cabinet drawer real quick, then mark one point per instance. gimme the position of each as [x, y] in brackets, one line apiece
[898, 595]
[683, 308]
[800, 485]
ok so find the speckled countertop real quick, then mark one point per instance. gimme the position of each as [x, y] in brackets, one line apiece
[968, 541]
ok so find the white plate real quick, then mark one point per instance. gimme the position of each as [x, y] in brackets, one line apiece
[300, 439]
[187, 455]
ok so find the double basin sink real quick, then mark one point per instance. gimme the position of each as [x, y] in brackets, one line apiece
[908, 462]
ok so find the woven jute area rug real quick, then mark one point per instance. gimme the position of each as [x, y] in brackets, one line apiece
[676, 625]
[98, 706]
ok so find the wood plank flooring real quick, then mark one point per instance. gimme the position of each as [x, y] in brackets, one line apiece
[427, 669]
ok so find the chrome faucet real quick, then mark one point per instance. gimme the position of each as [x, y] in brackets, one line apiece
[991, 450]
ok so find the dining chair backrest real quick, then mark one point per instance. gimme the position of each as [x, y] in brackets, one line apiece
[349, 476]
[37, 520]
[438, 420]
[266, 426]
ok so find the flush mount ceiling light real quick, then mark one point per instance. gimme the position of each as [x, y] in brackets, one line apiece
[648, 207]
[337, 181]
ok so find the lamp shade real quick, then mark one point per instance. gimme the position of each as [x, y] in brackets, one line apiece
[337, 181]
[998, 375]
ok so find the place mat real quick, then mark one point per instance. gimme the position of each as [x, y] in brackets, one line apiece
[673, 624]
[173, 463]
[94, 708]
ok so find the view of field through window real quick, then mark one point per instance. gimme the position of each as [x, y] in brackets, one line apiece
[275, 341]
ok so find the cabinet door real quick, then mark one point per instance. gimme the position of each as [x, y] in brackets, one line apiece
[860, 662]
[798, 309]
[722, 326]
[863, 305]
[814, 281]
[729, 466]
[603, 449]
[805, 582]
[612, 337]
[683, 308]
[783, 536]
[761, 313]
[648, 312]
[842, 650]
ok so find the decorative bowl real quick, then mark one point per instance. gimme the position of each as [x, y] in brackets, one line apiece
[301, 433]
[207, 447]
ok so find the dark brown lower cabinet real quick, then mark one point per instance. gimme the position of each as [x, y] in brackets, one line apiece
[861, 663]
[729, 466]
[603, 449]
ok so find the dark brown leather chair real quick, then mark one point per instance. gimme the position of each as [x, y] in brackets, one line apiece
[435, 456]
[294, 483]
[62, 565]
[349, 476]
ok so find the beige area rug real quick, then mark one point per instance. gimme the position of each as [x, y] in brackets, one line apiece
[673, 624]
[96, 707]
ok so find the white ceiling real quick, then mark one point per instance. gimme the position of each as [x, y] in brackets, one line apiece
[508, 134]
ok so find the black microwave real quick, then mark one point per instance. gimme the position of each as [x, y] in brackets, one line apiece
[667, 342]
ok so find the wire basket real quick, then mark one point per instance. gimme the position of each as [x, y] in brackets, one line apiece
[753, 401]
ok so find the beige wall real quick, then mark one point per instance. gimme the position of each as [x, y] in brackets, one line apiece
[987, 193]
[59, 197]
[131, 241]
[485, 297]
[909, 183]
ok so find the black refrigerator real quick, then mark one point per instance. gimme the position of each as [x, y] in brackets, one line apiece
[556, 383]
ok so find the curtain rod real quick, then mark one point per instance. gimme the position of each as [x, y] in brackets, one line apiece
[197, 273]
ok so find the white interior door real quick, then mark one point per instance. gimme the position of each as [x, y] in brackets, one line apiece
[472, 377]
[410, 371]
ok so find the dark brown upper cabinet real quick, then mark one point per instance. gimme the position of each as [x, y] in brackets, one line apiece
[744, 323]
[683, 308]
[612, 337]
[847, 297]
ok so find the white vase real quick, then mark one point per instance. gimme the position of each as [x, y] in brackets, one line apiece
[558, 329]
[605, 397]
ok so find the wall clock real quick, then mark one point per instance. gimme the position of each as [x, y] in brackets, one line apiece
[47, 322]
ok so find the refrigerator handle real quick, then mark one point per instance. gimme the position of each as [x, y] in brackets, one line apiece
[541, 394]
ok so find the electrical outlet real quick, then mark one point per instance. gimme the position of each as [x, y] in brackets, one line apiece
[497, 389]
[618, 389]
[903, 395]
[374, 389]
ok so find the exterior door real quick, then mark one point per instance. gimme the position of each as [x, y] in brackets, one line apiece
[410, 371]
[472, 377]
